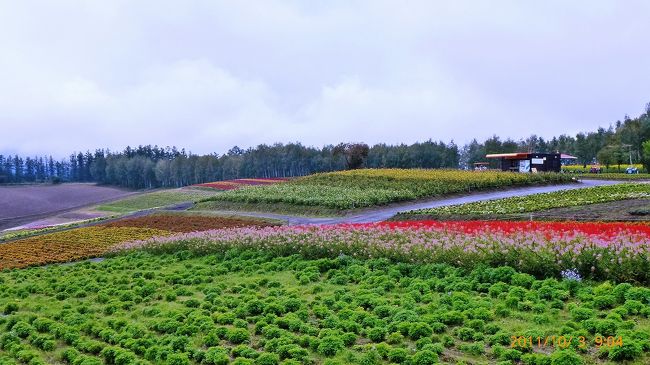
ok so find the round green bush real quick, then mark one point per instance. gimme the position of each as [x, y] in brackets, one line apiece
[419, 329]
[566, 357]
[242, 361]
[267, 358]
[397, 355]
[10, 308]
[424, 357]
[244, 351]
[237, 335]
[22, 329]
[630, 350]
[377, 334]
[178, 359]
[216, 356]
[535, 359]
[330, 345]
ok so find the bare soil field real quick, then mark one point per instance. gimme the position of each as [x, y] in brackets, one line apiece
[26, 203]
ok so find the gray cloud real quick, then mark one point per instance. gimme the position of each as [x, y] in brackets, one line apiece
[207, 75]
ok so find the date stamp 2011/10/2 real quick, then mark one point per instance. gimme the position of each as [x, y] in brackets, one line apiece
[564, 341]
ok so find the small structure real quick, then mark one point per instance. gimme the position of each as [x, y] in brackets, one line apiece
[567, 159]
[481, 166]
[528, 162]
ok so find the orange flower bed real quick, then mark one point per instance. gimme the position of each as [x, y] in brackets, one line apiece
[75, 244]
[182, 223]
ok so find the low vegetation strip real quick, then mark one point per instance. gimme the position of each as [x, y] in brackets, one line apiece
[188, 223]
[371, 187]
[156, 199]
[608, 251]
[602, 168]
[537, 202]
[247, 307]
[614, 176]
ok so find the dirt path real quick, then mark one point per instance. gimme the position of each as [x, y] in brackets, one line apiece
[383, 213]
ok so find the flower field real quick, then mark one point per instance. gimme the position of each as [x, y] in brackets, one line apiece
[188, 223]
[183, 289]
[600, 251]
[81, 243]
[249, 307]
[240, 183]
[538, 202]
[69, 245]
[370, 187]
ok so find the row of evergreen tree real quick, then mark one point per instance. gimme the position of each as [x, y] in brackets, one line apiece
[152, 166]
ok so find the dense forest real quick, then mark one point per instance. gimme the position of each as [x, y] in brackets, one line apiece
[152, 166]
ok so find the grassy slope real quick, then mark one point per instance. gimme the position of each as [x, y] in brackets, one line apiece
[156, 199]
[314, 301]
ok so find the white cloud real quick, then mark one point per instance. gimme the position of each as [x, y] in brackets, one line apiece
[207, 75]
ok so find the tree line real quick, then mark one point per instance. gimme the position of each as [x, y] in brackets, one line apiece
[153, 166]
[619, 144]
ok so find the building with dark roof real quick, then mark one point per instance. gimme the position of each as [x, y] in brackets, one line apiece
[529, 162]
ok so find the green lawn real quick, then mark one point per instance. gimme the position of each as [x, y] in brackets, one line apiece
[157, 199]
[251, 308]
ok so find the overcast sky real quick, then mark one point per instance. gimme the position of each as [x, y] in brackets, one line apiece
[207, 75]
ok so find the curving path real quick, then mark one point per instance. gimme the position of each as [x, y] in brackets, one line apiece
[382, 213]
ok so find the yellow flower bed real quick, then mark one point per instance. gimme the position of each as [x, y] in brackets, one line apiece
[370, 187]
[71, 245]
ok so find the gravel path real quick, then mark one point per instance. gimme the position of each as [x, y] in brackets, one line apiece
[383, 213]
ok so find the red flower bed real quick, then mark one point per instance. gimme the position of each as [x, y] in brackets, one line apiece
[601, 229]
[239, 183]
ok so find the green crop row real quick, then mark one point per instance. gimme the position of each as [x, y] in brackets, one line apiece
[247, 307]
[371, 187]
[543, 201]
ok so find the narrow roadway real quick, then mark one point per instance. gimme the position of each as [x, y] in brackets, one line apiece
[382, 213]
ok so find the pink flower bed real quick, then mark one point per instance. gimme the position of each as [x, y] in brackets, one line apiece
[619, 251]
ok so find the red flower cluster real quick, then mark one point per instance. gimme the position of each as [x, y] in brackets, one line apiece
[601, 229]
